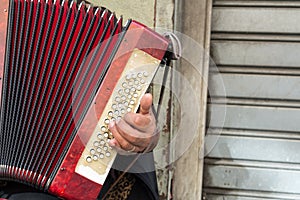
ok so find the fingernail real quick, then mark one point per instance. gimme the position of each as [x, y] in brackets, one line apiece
[112, 143]
[118, 120]
[111, 124]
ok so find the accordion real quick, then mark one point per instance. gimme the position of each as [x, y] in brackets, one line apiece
[67, 70]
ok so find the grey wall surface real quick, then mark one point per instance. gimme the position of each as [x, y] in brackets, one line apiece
[256, 46]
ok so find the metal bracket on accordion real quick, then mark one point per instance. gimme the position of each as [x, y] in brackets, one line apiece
[173, 52]
[174, 49]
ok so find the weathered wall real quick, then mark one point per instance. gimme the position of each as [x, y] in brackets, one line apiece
[193, 19]
[143, 11]
[152, 13]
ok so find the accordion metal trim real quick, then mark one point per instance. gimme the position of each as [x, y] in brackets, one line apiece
[119, 47]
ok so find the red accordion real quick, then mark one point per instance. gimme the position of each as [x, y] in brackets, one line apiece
[66, 71]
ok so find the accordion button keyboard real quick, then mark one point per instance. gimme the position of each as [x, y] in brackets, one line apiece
[100, 136]
[89, 159]
[96, 144]
[127, 91]
[116, 112]
[102, 142]
[145, 74]
[134, 76]
[99, 150]
[117, 99]
[105, 148]
[126, 103]
[106, 121]
[134, 81]
[114, 106]
[95, 157]
[132, 102]
[93, 151]
[138, 87]
[110, 113]
[123, 97]
[103, 129]
[128, 77]
[124, 84]
[101, 155]
[106, 134]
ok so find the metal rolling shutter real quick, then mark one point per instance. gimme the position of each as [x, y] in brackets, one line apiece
[256, 46]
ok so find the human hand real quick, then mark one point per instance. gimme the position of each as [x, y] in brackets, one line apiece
[135, 132]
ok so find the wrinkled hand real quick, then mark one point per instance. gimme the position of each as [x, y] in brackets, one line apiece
[135, 132]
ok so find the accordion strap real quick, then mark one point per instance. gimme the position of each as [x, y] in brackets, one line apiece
[123, 187]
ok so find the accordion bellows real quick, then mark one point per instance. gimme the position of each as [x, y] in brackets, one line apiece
[68, 70]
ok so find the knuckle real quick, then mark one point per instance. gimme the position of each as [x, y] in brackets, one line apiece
[125, 145]
[134, 140]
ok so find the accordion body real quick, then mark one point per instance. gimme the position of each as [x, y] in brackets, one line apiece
[66, 71]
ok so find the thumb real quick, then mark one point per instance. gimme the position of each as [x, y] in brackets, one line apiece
[145, 104]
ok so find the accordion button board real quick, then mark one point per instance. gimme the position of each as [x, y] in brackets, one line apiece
[98, 156]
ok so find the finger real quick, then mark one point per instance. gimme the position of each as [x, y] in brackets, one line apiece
[145, 104]
[133, 135]
[147, 146]
[114, 144]
[141, 122]
[120, 141]
[119, 138]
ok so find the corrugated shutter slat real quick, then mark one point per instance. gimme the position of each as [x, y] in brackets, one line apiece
[256, 46]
